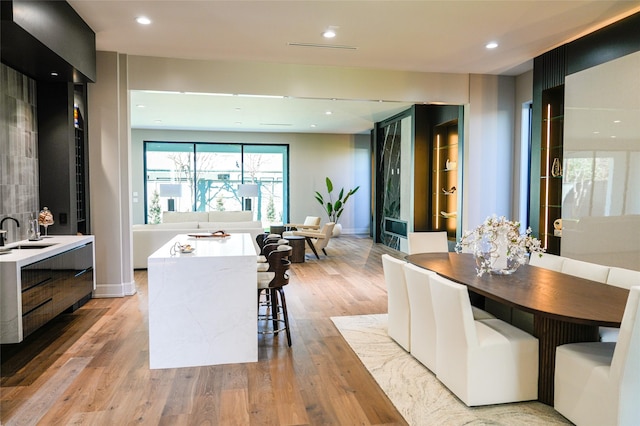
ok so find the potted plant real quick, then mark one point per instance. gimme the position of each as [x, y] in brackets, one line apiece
[335, 208]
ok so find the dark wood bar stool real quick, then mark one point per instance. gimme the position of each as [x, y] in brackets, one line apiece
[272, 304]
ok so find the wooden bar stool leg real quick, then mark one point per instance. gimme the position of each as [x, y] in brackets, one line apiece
[285, 314]
[274, 309]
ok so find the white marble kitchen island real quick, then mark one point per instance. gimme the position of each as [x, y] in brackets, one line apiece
[203, 305]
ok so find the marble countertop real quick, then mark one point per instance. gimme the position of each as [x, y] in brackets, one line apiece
[51, 245]
[239, 244]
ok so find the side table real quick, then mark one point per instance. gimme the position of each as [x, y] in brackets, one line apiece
[275, 229]
[297, 244]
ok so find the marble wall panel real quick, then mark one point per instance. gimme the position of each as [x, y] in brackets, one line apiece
[19, 188]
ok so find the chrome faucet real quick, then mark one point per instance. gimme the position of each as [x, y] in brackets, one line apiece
[3, 234]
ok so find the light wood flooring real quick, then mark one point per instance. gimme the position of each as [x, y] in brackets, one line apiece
[91, 367]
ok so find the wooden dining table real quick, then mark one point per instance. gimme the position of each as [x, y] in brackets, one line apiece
[565, 308]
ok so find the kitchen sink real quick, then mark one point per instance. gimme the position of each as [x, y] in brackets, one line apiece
[31, 246]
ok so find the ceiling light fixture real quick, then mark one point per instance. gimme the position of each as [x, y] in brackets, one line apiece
[54, 74]
[329, 33]
[143, 20]
[322, 46]
[328, 112]
[491, 45]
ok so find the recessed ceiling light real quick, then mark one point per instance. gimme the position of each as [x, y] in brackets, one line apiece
[143, 20]
[329, 32]
[54, 74]
[617, 121]
[157, 121]
[328, 112]
[491, 45]
[140, 106]
[313, 125]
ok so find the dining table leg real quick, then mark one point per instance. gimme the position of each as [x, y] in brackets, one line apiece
[552, 333]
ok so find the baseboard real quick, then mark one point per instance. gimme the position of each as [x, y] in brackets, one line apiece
[114, 290]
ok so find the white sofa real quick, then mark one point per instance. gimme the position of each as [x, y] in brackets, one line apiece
[149, 238]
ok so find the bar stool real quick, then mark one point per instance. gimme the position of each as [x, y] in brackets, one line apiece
[272, 308]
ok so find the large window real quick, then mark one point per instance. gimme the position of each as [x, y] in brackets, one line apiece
[211, 176]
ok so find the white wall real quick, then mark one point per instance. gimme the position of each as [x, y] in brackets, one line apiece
[488, 149]
[312, 157]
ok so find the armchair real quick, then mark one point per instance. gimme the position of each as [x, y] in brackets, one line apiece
[311, 223]
[317, 240]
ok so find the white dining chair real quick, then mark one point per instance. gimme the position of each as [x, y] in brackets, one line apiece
[422, 324]
[587, 270]
[547, 261]
[422, 319]
[427, 242]
[624, 278]
[399, 316]
[481, 361]
[598, 383]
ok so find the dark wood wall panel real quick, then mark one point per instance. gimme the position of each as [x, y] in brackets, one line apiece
[614, 41]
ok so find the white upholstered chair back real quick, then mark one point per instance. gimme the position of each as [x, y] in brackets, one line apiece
[398, 301]
[598, 383]
[587, 270]
[547, 261]
[427, 242]
[621, 277]
[625, 365]
[422, 319]
[481, 361]
[311, 221]
[326, 231]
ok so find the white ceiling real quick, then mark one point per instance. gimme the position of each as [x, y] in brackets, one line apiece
[425, 36]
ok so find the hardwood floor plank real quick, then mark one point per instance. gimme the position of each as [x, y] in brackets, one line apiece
[317, 381]
[41, 402]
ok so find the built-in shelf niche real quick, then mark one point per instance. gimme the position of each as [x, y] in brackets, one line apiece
[444, 180]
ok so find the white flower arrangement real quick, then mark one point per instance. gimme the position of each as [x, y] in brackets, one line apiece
[498, 245]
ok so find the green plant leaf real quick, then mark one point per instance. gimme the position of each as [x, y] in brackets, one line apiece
[329, 185]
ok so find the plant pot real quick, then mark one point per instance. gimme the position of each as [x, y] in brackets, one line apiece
[337, 230]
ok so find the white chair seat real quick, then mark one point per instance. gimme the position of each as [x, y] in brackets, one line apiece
[264, 278]
[608, 334]
[479, 314]
[263, 267]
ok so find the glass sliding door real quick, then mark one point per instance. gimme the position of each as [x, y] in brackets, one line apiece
[184, 176]
[168, 167]
[267, 166]
[217, 176]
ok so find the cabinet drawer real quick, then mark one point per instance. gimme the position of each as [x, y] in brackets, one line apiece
[35, 274]
[36, 318]
[36, 296]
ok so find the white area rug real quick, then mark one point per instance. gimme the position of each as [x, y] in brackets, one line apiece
[417, 393]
